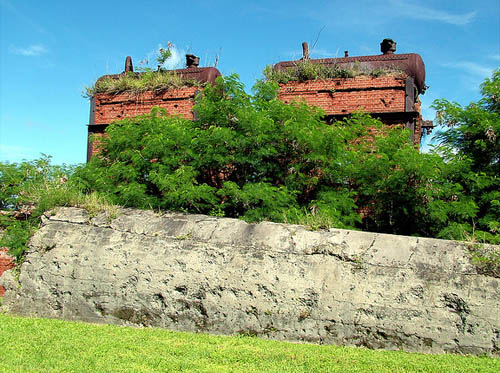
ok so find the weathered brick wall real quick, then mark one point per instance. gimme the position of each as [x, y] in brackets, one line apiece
[109, 107]
[112, 107]
[340, 96]
[336, 96]
[6, 263]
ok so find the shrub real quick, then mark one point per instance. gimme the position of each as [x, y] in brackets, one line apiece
[257, 158]
[471, 147]
[28, 189]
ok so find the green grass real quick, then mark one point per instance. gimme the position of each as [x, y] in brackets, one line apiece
[139, 82]
[41, 345]
[305, 70]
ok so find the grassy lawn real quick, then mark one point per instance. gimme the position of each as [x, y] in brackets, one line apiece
[41, 345]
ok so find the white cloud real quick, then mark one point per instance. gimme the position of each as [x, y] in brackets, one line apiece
[472, 68]
[32, 50]
[411, 10]
[175, 59]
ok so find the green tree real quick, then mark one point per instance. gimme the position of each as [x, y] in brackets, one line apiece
[248, 156]
[256, 158]
[27, 190]
[471, 147]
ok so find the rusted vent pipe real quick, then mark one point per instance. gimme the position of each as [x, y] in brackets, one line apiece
[388, 46]
[192, 61]
[128, 64]
[305, 51]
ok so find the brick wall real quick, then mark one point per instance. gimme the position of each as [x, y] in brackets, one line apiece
[384, 94]
[109, 107]
[6, 263]
[340, 96]
[112, 107]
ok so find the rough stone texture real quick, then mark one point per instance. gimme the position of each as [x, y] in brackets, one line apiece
[201, 273]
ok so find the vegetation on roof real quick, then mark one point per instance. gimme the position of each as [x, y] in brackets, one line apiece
[305, 70]
[157, 81]
[147, 79]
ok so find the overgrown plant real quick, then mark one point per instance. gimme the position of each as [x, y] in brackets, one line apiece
[134, 83]
[485, 258]
[471, 147]
[29, 189]
[147, 79]
[304, 70]
[254, 157]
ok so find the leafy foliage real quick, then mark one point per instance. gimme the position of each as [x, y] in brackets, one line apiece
[251, 157]
[164, 54]
[26, 191]
[471, 146]
[257, 158]
[29, 189]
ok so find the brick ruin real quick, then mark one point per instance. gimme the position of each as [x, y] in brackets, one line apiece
[6, 263]
[106, 108]
[393, 98]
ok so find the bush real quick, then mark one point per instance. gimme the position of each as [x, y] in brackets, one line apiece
[471, 147]
[29, 189]
[246, 156]
[254, 157]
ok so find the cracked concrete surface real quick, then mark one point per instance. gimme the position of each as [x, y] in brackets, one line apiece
[218, 275]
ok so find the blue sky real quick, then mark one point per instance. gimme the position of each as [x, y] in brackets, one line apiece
[50, 50]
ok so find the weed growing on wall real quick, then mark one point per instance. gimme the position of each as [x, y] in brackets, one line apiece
[305, 70]
[147, 79]
[134, 83]
[29, 189]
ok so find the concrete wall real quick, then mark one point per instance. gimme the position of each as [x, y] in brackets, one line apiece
[217, 275]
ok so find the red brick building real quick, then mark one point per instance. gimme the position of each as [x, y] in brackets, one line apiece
[109, 107]
[392, 96]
